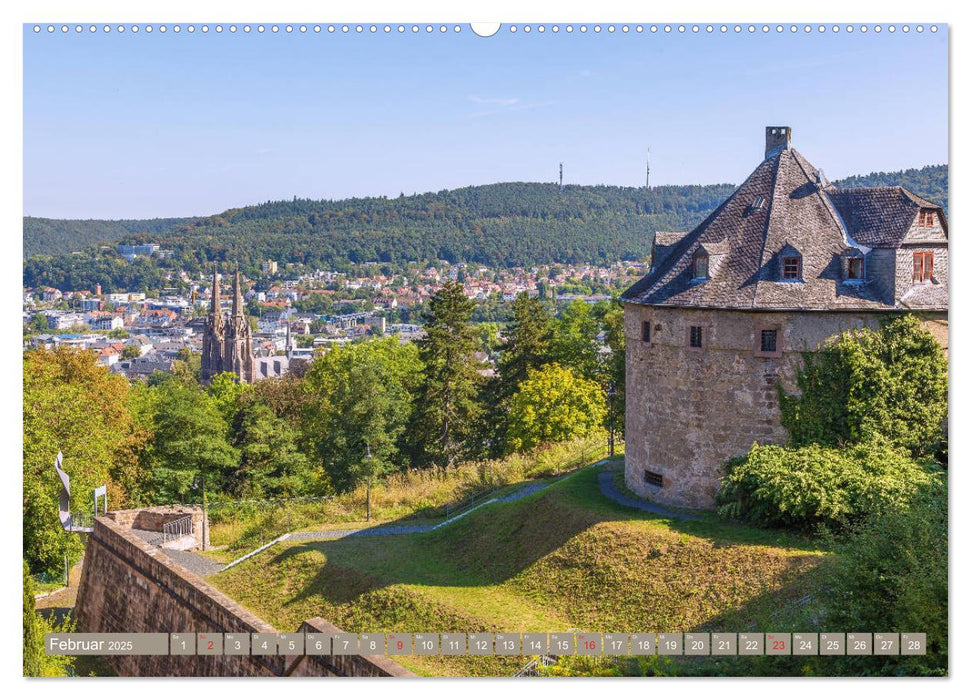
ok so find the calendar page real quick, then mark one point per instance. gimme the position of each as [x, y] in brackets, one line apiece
[515, 349]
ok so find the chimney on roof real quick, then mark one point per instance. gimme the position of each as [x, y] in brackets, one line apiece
[776, 137]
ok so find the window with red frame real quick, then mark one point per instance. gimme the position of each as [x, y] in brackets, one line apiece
[792, 268]
[923, 267]
[926, 218]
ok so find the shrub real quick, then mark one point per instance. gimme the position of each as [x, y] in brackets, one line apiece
[36, 661]
[805, 487]
[864, 384]
[890, 574]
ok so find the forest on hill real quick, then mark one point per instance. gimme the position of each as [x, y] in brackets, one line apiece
[930, 182]
[504, 225]
[58, 236]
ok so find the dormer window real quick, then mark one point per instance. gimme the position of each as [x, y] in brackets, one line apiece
[923, 267]
[699, 267]
[757, 204]
[792, 267]
[926, 218]
[854, 269]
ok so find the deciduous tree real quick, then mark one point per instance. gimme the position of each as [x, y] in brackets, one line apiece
[552, 405]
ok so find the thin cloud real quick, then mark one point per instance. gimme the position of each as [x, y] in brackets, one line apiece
[501, 101]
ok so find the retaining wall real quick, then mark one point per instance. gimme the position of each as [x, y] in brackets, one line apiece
[130, 586]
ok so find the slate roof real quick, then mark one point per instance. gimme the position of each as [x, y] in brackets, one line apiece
[799, 211]
[878, 217]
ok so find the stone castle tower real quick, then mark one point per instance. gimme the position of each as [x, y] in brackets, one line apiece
[227, 345]
[726, 311]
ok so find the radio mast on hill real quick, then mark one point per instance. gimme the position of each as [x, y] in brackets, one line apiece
[561, 176]
[647, 184]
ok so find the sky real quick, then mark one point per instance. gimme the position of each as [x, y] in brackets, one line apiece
[156, 125]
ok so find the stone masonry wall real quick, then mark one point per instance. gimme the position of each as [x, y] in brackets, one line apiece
[154, 518]
[130, 586]
[689, 411]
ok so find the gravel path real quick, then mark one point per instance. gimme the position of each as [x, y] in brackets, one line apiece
[607, 488]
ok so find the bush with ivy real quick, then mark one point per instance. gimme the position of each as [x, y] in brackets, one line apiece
[803, 488]
[863, 384]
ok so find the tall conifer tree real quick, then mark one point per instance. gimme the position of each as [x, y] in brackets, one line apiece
[527, 346]
[448, 405]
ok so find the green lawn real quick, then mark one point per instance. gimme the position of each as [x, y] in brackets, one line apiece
[564, 558]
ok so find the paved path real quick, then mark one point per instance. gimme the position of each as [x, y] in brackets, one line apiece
[205, 567]
[196, 563]
[523, 492]
[607, 488]
[378, 530]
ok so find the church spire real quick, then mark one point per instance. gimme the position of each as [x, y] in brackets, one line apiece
[237, 296]
[215, 289]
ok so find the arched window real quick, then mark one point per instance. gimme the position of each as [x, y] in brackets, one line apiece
[699, 266]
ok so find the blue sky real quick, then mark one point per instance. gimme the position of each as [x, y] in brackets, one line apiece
[132, 126]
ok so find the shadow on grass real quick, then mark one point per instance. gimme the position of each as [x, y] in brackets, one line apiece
[491, 545]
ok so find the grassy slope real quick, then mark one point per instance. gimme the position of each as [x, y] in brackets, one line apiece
[561, 559]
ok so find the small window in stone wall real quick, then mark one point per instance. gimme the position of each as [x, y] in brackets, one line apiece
[768, 341]
[646, 331]
[653, 478]
[696, 337]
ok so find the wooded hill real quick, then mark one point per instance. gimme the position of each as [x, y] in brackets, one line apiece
[506, 224]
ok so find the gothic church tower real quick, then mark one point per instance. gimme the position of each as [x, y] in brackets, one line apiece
[227, 345]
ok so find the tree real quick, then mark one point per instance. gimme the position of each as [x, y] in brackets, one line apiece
[616, 367]
[488, 337]
[36, 661]
[72, 405]
[269, 462]
[130, 352]
[527, 346]
[190, 440]
[575, 340]
[227, 391]
[33, 636]
[188, 366]
[447, 405]
[528, 343]
[360, 397]
[554, 404]
[39, 323]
